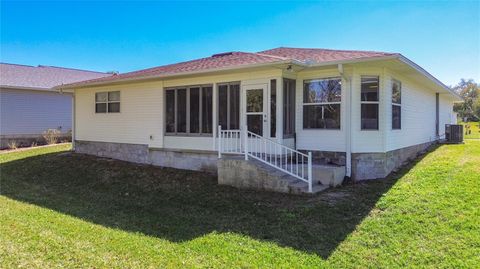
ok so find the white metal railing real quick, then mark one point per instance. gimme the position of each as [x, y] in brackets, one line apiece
[268, 151]
[229, 141]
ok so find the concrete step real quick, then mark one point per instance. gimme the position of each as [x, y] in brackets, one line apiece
[237, 172]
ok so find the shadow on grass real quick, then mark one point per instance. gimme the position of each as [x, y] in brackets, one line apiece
[181, 205]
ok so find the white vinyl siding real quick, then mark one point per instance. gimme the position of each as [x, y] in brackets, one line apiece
[26, 112]
[418, 114]
[141, 119]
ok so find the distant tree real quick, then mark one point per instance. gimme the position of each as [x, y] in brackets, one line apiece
[470, 92]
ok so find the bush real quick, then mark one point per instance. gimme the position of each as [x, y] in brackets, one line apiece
[51, 136]
[12, 144]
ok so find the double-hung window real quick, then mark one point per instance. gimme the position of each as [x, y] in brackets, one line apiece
[188, 110]
[369, 102]
[396, 105]
[321, 103]
[107, 102]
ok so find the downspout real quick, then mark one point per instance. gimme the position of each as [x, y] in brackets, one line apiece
[348, 125]
[73, 121]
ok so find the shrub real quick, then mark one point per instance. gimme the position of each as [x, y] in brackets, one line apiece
[12, 144]
[51, 136]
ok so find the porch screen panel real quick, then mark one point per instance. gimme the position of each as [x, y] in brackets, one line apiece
[194, 110]
[234, 106]
[273, 107]
[229, 106]
[207, 94]
[288, 107]
[181, 111]
[170, 111]
[223, 106]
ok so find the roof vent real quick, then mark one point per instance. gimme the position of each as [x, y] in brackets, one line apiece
[222, 54]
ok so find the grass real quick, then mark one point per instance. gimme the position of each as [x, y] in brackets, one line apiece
[474, 128]
[59, 209]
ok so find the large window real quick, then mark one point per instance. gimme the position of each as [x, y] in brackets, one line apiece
[396, 104]
[188, 110]
[107, 102]
[321, 103]
[229, 105]
[288, 107]
[369, 102]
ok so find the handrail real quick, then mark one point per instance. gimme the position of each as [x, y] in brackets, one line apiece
[267, 151]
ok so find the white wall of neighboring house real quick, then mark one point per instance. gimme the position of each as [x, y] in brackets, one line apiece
[30, 112]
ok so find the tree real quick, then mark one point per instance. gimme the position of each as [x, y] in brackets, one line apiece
[470, 92]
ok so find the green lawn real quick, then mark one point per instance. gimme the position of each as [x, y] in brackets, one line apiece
[475, 130]
[59, 209]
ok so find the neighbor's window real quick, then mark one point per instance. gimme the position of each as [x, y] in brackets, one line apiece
[369, 103]
[107, 102]
[188, 110]
[321, 103]
[229, 105]
[288, 107]
[396, 104]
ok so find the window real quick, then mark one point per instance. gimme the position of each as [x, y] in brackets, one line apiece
[107, 102]
[369, 102]
[321, 103]
[229, 105]
[288, 107]
[396, 105]
[273, 107]
[188, 110]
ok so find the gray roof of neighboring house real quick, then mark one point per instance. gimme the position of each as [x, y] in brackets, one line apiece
[42, 77]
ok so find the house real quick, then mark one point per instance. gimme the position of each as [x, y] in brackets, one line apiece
[29, 105]
[285, 119]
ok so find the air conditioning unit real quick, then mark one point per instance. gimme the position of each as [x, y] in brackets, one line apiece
[454, 133]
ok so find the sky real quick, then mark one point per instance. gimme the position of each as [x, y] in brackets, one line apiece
[441, 36]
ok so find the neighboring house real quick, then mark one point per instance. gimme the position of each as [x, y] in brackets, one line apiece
[315, 115]
[29, 105]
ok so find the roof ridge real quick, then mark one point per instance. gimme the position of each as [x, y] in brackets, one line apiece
[51, 66]
[272, 56]
[341, 50]
[17, 64]
[70, 68]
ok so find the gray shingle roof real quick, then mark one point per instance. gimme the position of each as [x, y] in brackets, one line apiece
[42, 77]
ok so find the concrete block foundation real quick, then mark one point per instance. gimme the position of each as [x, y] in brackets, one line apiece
[137, 153]
[379, 165]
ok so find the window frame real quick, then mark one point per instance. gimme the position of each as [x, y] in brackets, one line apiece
[187, 104]
[370, 102]
[107, 102]
[396, 104]
[322, 104]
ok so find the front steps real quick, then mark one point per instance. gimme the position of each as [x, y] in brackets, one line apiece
[233, 170]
